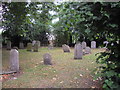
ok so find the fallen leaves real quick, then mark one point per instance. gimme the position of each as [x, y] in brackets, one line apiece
[92, 87]
[61, 82]
[54, 78]
[81, 75]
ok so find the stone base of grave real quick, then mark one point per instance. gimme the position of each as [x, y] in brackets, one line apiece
[7, 72]
[35, 50]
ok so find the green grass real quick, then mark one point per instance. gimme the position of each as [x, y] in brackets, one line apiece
[64, 73]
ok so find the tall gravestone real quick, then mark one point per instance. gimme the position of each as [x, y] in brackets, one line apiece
[66, 48]
[35, 48]
[78, 53]
[33, 42]
[14, 60]
[93, 44]
[38, 42]
[84, 45]
[21, 45]
[47, 59]
[50, 46]
[29, 46]
[87, 50]
[8, 45]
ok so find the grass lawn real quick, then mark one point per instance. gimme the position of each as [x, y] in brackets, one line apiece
[64, 73]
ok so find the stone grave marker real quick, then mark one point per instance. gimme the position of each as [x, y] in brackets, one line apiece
[93, 44]
[47, 59]
[38, 42]
[29, 46]
[33, 42]
[21, 45]
[78, 53]
[87, 50]
[66, 48]
[14, 60]
[8, 45]
[35, 48]
[84, 45]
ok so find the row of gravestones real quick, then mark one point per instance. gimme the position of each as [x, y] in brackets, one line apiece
[33, 47]
[14, 55]
[79, 49]
[21, 44]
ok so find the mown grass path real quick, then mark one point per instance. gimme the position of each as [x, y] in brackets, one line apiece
[64, 73]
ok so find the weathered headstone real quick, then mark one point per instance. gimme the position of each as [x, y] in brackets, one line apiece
[87, 50]
[21, 45]
[29, 47]
[8, 45]
[93, 44]
[78, 53]
[33, 42]
[50, 47]
[47, 59]
[84, 45]
[35, 48]
[66, 48]
[38, 42]
[14, 60]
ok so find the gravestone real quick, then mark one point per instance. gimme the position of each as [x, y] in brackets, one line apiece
[33, 42]
[87, 50]
[78, 53]
[35, 48]
[66, 48]
[14, 60]
[50, 46]
[38, 42]
[21, 45]
[29, 46]
[47, 59]
[84, 45]
[8, 45]
[93, 44]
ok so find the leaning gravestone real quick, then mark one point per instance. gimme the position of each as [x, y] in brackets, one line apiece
[29, 47]
[33, 42]
[78, 53]
[93, 44]
[35, 48]
[8, 45]
[21, 45]
[47, 59]
[84, 45]
[14, 60]
[87, 50]
[66, 48]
